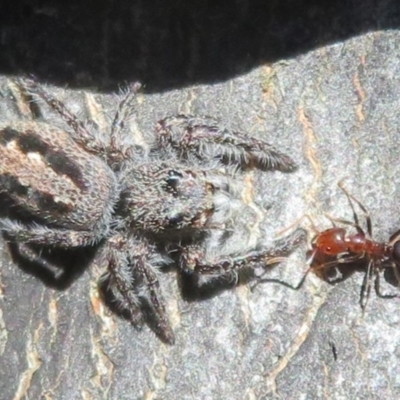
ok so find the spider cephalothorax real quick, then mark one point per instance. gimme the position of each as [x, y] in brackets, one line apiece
[81, 186]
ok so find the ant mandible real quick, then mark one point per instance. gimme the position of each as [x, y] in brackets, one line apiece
[336, 250]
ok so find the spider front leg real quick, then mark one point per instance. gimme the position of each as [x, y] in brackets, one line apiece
[204, 139]
[132, 278]
[194, 259]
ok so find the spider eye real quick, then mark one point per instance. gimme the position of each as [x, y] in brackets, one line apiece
[173, 180]
[176, 219]
[173, 173]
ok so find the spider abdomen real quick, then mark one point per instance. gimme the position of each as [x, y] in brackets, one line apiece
[49, 176]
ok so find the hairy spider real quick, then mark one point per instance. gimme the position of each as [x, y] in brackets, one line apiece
[84, 187]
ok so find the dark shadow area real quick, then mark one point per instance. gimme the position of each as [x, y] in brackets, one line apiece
[55, 267]
[167, 44]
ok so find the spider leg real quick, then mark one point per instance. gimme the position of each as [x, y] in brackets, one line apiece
[156, 301]
[119, 149]
[204, 139]
[79, 133]
[194, 259]
[134, 282]
[38, 234]
[119, 281]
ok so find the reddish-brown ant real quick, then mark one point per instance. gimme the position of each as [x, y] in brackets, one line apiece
[336, 251]
[336, 254]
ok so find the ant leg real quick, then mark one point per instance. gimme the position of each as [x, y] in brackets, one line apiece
[288, 285]
[354, 224]
[345, 222]
[299, 224]
[395, 237]
[378, 290]
[322, 267]
[365, 211]
[366, 287]
[350, 259]
[279, 281]
[396, 274]
[394, 244]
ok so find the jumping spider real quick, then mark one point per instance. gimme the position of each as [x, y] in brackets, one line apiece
[82, 187]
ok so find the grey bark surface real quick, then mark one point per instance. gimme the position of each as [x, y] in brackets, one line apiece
[321, 83]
